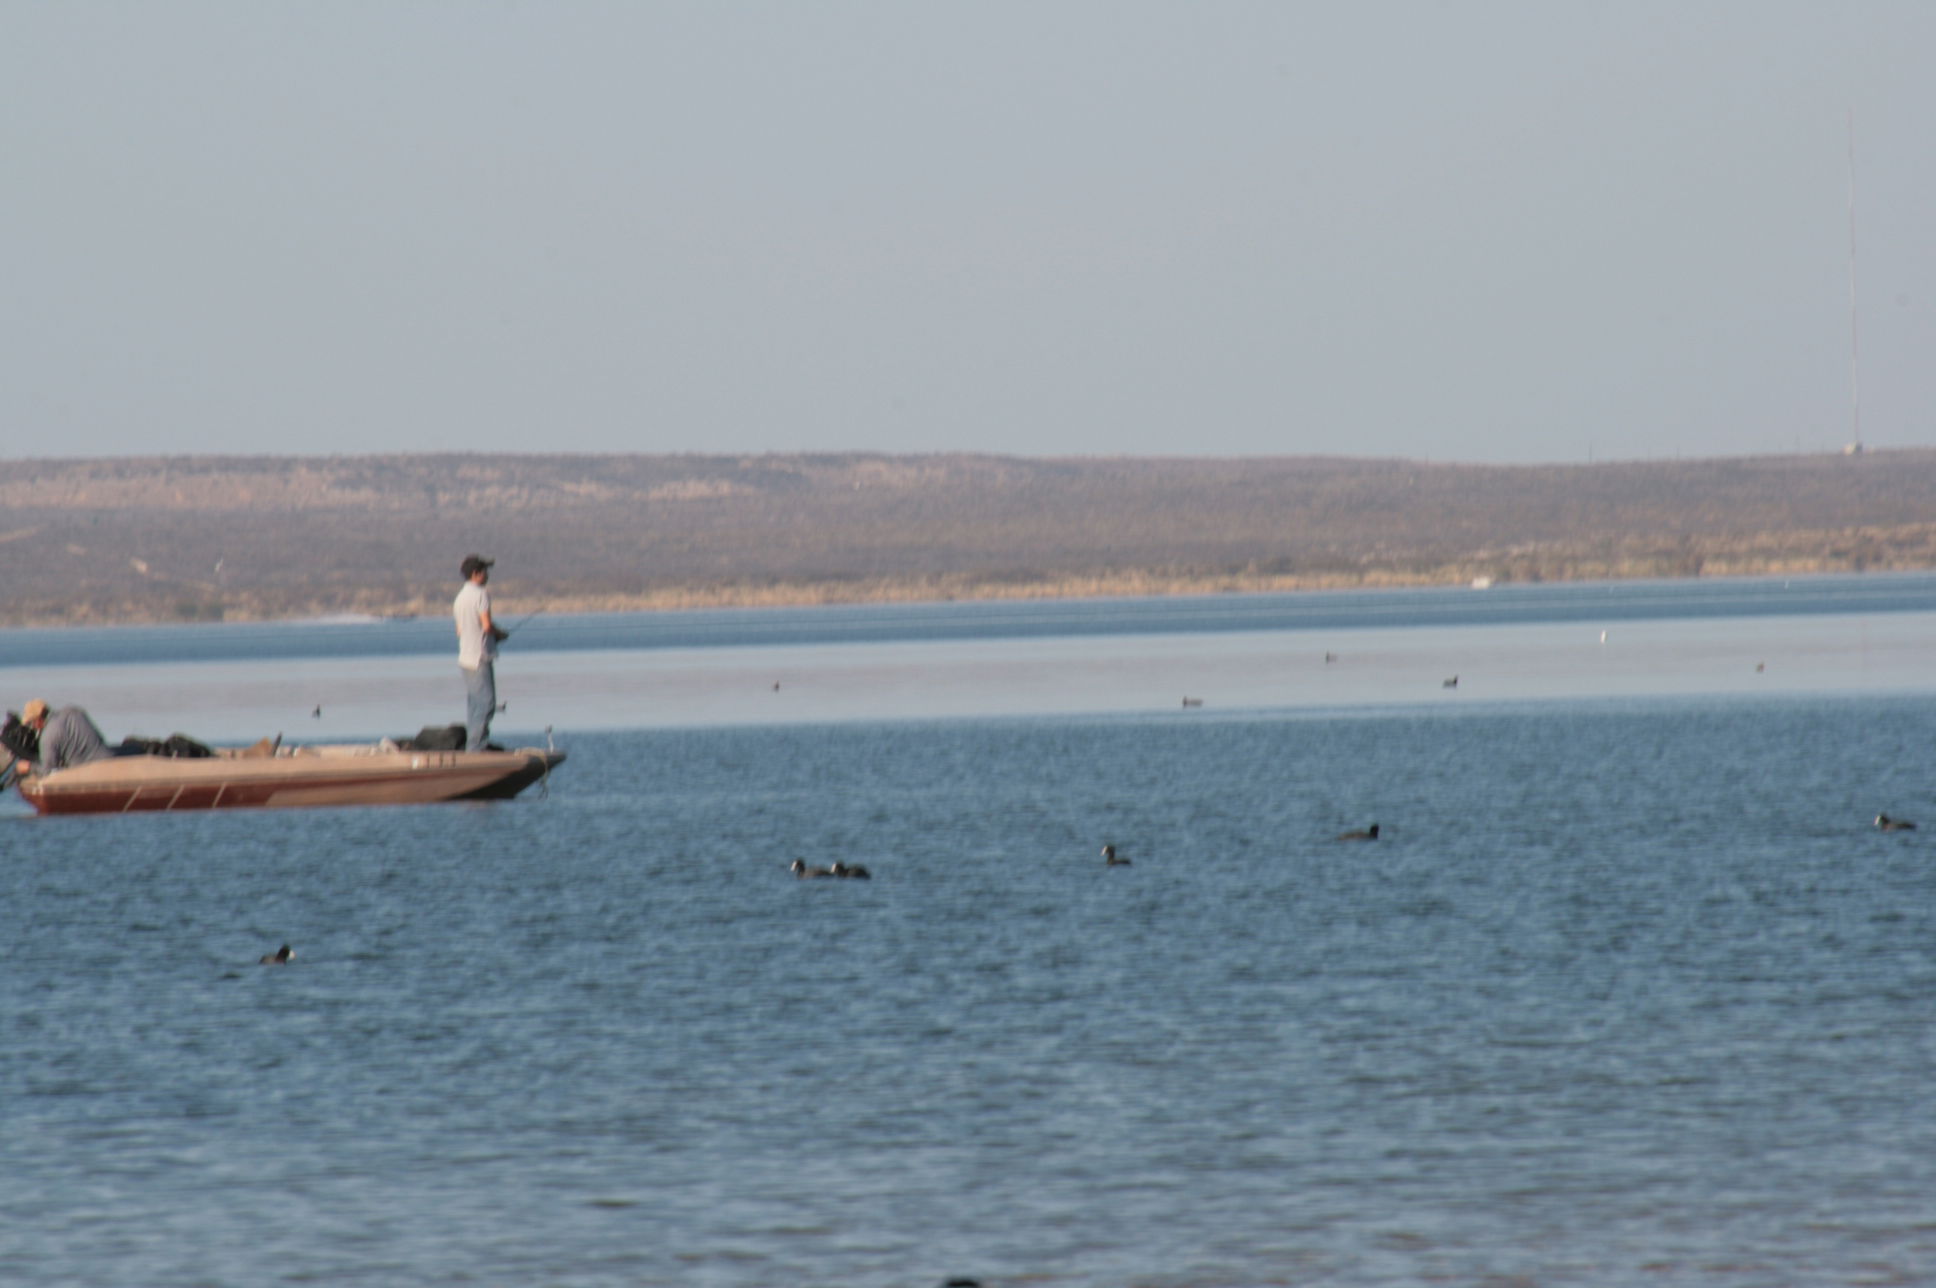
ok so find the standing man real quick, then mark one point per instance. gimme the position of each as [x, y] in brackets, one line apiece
[477, 637]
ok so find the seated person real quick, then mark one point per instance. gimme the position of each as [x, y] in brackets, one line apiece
[67, 737]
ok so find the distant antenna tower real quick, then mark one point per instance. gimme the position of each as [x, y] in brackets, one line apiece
[1855, 368]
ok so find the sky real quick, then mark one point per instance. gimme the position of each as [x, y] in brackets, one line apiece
[1485, 231]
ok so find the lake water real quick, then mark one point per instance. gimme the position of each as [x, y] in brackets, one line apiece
[1629, 990]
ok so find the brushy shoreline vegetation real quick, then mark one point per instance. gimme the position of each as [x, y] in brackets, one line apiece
[253, 539]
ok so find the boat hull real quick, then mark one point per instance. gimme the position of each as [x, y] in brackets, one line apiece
[131, 784]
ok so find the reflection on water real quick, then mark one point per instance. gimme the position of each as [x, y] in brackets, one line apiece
[586, 689]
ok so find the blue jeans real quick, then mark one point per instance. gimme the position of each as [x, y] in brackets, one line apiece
[480, 687]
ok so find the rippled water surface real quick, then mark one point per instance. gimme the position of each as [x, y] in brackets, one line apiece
[1629, 991]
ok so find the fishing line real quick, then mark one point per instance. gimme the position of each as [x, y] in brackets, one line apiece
[505, 706]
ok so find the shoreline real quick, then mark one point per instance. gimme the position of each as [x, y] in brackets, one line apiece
[1478, 574]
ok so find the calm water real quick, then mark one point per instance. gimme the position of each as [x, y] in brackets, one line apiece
[1629, 992]
[320, 681]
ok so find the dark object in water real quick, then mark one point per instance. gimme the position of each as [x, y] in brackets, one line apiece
[1888, 824]
[280, 957]
[1366, 834]
[800, 869]
[1109, 859]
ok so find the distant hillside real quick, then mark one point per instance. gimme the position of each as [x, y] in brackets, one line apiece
[200, 538]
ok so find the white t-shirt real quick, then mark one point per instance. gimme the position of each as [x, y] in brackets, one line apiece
[474, 647]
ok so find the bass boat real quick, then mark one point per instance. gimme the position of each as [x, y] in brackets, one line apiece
[264, 776]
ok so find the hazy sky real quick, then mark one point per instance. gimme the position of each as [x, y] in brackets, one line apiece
[1477, 231]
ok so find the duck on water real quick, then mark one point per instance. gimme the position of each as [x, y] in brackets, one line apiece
[851, 871]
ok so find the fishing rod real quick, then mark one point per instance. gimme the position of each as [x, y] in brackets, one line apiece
[521, 621]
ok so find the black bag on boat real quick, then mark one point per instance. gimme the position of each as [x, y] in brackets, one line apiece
[177, 746]
[20, 739]
[437, 738]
